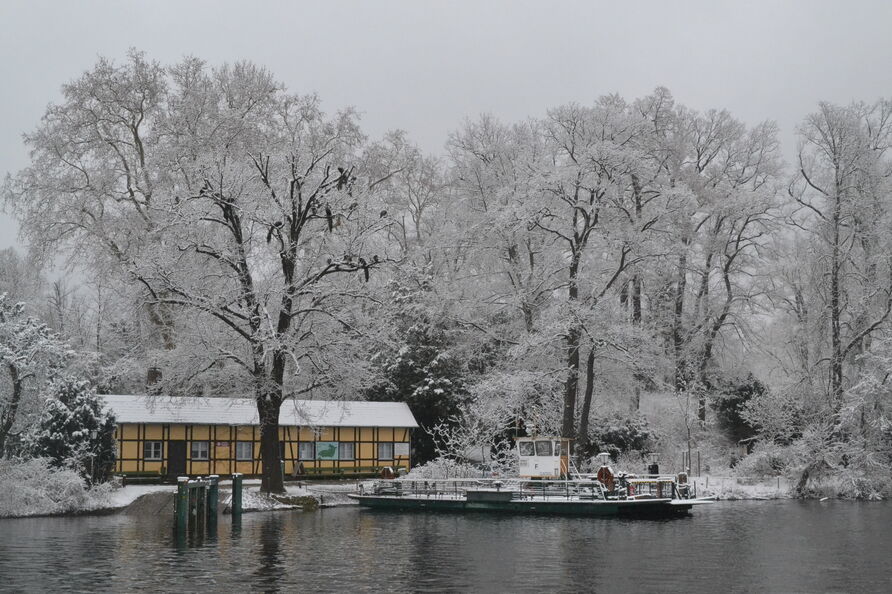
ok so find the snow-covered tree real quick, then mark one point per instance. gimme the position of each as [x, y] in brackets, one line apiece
[89, 190]
[236, 207]
[74, 431]
[722, 176]
[20, 276]
[421, 366]
[840, 201]
[270, 230]
[31, 356]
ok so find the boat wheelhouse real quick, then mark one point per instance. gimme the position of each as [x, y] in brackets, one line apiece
[543, 457]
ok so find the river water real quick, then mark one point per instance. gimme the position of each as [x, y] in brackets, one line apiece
[768, 546]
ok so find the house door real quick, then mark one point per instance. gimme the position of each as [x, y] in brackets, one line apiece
[176, 458]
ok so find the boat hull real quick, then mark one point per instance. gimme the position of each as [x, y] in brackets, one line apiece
[642, 508]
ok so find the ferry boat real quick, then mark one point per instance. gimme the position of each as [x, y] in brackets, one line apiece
[544, 485]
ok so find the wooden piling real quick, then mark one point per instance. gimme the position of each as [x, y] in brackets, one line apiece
[213, 496]
[199, 494]
[182, 504]
[237, 493]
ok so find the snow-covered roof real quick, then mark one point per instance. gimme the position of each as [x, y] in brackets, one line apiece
[195, 410]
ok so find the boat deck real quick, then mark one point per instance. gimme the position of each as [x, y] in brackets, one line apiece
[546, 497]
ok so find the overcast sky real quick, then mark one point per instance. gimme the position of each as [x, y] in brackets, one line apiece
[426, 66]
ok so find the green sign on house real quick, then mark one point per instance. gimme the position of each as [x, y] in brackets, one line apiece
[326, 450]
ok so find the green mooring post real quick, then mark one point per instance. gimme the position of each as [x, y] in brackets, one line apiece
[199, 493]
[213, 496]
[237, 493]
[182, 503]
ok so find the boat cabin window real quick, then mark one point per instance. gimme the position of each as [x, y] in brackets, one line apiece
[526, 448]
[543, 448]
[565, 448]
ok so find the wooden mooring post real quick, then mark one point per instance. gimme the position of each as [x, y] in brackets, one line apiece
[181, 516]
[193, 510]
[213, 495]
[237, 493]
[197, 504]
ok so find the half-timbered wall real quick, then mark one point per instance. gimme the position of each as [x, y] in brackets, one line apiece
[222, 440]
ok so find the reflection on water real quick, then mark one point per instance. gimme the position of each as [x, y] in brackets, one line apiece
[270, 566]
[729, 547]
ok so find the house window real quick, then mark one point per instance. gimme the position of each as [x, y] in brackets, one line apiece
[200, 450]
[385, 451]
[345, 450]
[306, 450]
[153, 450]
[244, 450]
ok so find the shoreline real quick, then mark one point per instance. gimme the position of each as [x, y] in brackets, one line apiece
[127, 500]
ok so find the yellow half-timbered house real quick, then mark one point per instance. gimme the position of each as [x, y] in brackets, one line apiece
[175, 436]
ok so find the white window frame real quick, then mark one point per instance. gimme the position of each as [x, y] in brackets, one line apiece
[193, 449]
[153, 455]
[341, 453]
[385, 445]
[302, 448]
[239, 456]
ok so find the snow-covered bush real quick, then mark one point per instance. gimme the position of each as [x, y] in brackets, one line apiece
[36, 487]
[767, 459]
[618, 433]
[447, 468]
[847, 483]
[730, 406]
[75, 432]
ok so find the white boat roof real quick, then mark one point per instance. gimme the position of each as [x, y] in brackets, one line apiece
[195, 410]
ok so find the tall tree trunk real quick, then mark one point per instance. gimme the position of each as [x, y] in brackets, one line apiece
[582, 440]
[9, 413]
[709, 340]
[268, 406]
[802, 342]
[836, 374]
[527, 310]
[704, 384]
[571, 386]
[636, 321]
[677, 325]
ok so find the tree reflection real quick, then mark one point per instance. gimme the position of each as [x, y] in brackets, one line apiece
[270, 569]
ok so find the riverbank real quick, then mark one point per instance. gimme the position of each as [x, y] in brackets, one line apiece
[136, 499]
[154, 499]
[305, 496]
[733, 488]
[55, 498]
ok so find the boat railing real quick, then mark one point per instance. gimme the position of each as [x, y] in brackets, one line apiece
[519, 488]
[633, 486]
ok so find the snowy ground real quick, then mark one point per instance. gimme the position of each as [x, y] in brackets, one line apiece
[324, 494]
[301, 495]
[731, 488]
[126, 495]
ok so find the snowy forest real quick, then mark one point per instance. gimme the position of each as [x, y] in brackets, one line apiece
[631, 273]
